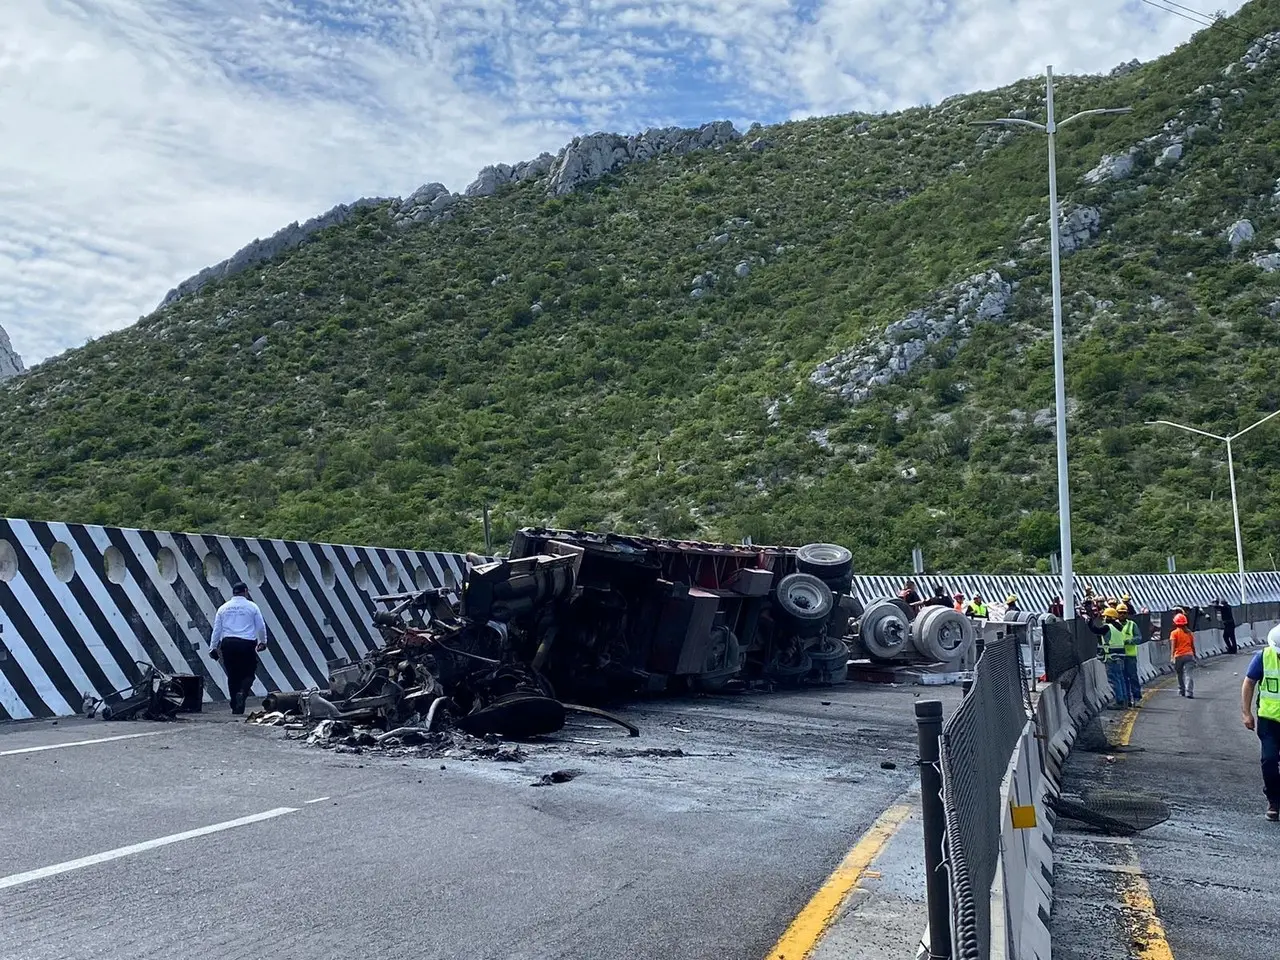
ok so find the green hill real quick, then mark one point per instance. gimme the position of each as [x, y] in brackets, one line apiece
[654, 351]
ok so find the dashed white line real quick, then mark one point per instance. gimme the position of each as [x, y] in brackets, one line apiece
[18, 879]
[81, 743]
[318, 800]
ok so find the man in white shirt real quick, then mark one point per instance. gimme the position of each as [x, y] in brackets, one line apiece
[239, 634]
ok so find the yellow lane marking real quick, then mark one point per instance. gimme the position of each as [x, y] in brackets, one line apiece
[1147, 939]
[1146, 932]
[1124, 732]
[802, 936]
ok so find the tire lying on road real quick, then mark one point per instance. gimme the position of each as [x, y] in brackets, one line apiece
[826, 561]
[883, 630]
[805, 603]
[943, 634]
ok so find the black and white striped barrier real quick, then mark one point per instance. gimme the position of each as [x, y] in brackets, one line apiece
[1155, 591]
[80, 605]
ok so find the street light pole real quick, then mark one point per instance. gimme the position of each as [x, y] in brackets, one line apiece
[1231, 472]
[1050, 128]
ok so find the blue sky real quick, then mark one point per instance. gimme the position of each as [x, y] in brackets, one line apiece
[146, 139]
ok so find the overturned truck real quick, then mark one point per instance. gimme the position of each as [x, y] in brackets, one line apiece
[599, 616]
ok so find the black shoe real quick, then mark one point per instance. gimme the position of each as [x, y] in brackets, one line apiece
[1273, 813]
[1182, 693]
[1191, 696]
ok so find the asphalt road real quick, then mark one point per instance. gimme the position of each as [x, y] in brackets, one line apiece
[709, 854]
[1209, 868]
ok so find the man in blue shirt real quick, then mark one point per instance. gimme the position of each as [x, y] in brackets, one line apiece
[1262, 683]
[239, 635]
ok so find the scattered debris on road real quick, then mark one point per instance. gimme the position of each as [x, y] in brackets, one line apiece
[592, 617]
[155, 696]
[554, 777]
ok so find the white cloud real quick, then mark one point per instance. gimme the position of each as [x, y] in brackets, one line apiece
[145, 139]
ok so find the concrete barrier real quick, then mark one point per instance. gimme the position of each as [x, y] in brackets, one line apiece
[81, 605]
[1023, 893]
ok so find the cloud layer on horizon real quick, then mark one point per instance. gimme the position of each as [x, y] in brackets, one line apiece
[146, 139]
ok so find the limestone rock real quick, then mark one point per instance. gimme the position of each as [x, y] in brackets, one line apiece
[591, 157]
[1171, 154]
[1113, 166]
[10, 362]
[854, 372]
[282, 241]
[1239, 233]
[742, 270]
[1077, 228]
[1270, 262]
[1124, 69]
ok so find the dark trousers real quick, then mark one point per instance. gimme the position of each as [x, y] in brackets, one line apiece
[240, 660]
[1269, 734]
[1229, 637]
[1132, 685]
[1115, 676]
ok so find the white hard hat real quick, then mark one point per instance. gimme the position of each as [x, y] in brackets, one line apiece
[1273, 637]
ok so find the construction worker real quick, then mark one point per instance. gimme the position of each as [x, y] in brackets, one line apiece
[958, 599]
[1184, 656]
[1133, 685]
[1262, 683]
[939, 598]
[976, 609]
[1011, 602]
[1111, 641]
[1056, 608]
[1228, 618]
[911, 596]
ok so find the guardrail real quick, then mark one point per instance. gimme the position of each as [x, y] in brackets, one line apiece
[1001, 755]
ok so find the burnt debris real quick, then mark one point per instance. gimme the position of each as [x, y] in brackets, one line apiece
[571, 618]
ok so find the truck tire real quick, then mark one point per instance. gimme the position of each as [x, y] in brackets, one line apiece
[883, 630]
[942, 634]
[827, 561]
[805, 603]
[724, 662]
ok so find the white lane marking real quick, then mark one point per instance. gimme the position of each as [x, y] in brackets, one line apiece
[18, 879]
[318, 800]
[81, 743]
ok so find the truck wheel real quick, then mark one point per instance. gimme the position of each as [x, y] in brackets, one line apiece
[942, 634]
[805, 602]
[883, 629]
[827, 561]
[724, 661]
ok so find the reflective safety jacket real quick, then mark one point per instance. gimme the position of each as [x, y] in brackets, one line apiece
[1130, 631]
[978, 610]
[1113, 643]
[1269, 688]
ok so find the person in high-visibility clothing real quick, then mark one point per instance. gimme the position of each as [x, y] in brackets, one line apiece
[958, 602]
[1132, 637]
[1262, 683]
[1111, 640]
[976, 609]
[1184, 656]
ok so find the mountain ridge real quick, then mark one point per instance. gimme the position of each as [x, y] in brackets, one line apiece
[648, 353]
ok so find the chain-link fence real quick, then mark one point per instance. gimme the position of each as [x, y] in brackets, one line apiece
[977, 742]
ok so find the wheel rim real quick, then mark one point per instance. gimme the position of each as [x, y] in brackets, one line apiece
[805, 596]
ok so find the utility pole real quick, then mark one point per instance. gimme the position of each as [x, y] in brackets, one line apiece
[1050, 128]
[1231, 472]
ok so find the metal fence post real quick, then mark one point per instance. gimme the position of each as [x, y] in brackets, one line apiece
[929, 730]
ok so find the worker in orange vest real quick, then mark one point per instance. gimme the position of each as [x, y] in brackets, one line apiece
[1184, 656]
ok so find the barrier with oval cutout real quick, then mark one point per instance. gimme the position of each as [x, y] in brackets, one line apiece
[79, 604]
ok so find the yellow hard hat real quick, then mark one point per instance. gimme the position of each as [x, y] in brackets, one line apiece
[1011, 598]
[1122, 608]
[1125, 596]
[1110, 613]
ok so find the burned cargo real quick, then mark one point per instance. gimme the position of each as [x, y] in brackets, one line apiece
[573, 616]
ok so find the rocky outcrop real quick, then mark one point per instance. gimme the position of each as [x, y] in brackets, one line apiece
[1261, 52]
[589, 158]
[282, 241]
[854, 373]
[1077, 228]
[491, 178]
[10, 362]
[1113, 166]
[1124, 69]
[1240, 233]
[582, 161]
